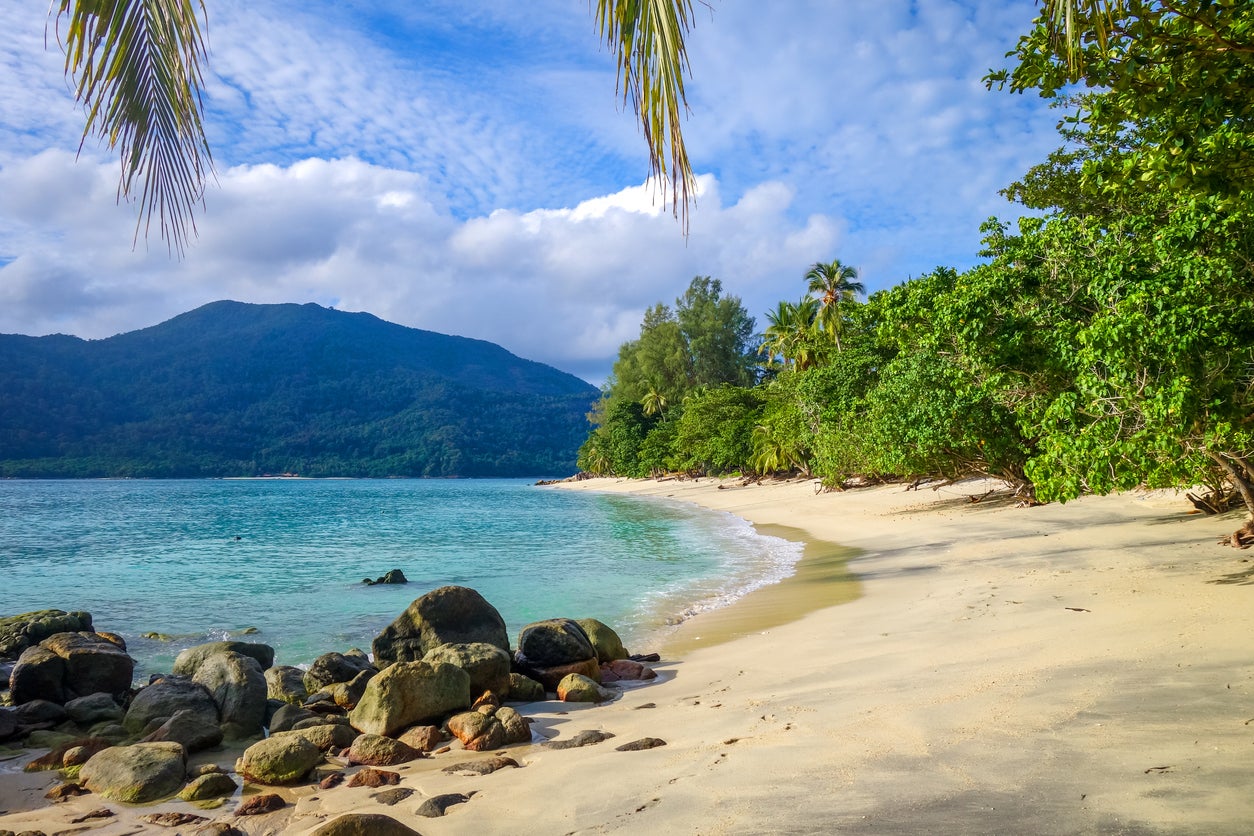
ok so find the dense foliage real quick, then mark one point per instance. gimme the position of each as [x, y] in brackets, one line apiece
[242, 390]
[1106, 344]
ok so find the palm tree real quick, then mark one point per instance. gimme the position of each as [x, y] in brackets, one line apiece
[833, 284]
[136, 69]
[653, 402]
[790, 333]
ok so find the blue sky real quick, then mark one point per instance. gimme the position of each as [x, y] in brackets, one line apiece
[468, 167]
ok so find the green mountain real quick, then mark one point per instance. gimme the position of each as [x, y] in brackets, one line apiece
[231, 389]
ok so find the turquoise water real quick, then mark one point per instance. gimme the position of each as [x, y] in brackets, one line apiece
[206, 559]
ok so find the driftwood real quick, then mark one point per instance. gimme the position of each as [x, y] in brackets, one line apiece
[1242, 538]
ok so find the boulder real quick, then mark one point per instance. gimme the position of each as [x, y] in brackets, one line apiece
[8, 723]
[524, 689]
[550, 677]
[330, 668]
[93, 664]
[448, 615]
[286, 684]
[186, 663]
[604, 640]
[92, 709]
[288, 716]
[549, 650]
[136, 774]
[39, 711]
[191, 728]
[348, 694]
[283, 758]
[478, 732]
[18, 632]
[391, 576]
[625, 669]
[165, 697]
[38, 675]
[516, 728]
[211, 785]
[409, 693]
[259, 805]
[376, 750]
[422, 738]
[363, 824]
[437, 805]
[578, 688]
[239, 690]
[327, 736]
[487, 664]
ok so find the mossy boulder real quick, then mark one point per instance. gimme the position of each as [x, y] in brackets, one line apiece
[330, 668]
[166, 696]
[448, 615]
[524, 689]
[238, 688]
[18, 632]
[186, 663]
[579, 688]
[410, 692]
[377, 750]
[286, 683]
[605, 641]
[211, 785]
[136, 774]
[283, 758]
[487, 664]
[363, 824]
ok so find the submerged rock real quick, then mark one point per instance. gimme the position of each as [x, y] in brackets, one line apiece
[392, 576]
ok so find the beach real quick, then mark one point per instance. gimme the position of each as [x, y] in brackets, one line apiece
[937, 665]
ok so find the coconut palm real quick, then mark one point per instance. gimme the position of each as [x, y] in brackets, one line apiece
[832, 284]
[790, 333]
[136, 69]
[653, 402]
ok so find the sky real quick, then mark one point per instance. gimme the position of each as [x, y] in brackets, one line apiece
[469, 168]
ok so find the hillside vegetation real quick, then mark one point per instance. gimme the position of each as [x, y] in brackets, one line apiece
[232, 389]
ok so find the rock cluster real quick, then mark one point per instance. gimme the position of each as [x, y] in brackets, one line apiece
[72, 692]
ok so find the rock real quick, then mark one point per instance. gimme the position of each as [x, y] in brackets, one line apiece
[136, 774]
[93, 664]
[186, 663]
[330, 668]
[393, 796]
[605, 641]
[525, 689]
[437, 805]
[550, 650]
[74, 752]
[481, 767]
[422, 738]
[327, 736]
[259, 805]
[626, 669]
[347, 694]
[376, 750]
[641, 744]
[39, 711]
[487, 702]
[191, 728]
[8, 723]
[288, 716]
[576, 687]
[238, 688]
[363, 824]
[279, 759]
[516, 728]
[487, 664]
[448, 615]
[392, 576]
[478, 732]
[95, 708]
[370, 777]
[409, 693]
[584, 738]
[172, 819]
[165, 697]
[63, 792]
[331, 781]
[286, 684]
[219, 828]
[38, 675]
[557, 641]
[212, 785]
[18, 632]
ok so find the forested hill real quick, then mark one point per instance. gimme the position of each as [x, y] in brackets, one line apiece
[233, 389]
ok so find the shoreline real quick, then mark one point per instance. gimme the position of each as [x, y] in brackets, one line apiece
[1055, 670]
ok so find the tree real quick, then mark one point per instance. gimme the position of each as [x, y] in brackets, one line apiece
[136, 69]
[791, 334]
[719, 334]
[833, 284]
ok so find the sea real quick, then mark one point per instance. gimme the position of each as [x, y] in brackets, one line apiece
[281, 561]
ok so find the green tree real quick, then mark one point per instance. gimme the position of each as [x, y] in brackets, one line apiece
[833, 284]
[715, 433]
[719, 334]
[791, 334]
[136, 69]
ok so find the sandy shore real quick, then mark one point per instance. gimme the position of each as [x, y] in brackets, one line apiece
[1057, 670]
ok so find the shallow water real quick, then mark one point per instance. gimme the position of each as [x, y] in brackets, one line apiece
[205, 559]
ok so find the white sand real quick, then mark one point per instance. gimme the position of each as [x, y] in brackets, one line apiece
[1084, 668]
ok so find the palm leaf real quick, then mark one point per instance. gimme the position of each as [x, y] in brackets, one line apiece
[135, 66]
[1069, 21]
[648, 39]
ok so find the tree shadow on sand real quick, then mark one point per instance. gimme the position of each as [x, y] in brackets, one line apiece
[1242, 578]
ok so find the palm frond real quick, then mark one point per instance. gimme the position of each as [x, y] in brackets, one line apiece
[135, 66]
[1070, 21]
[648, 39]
